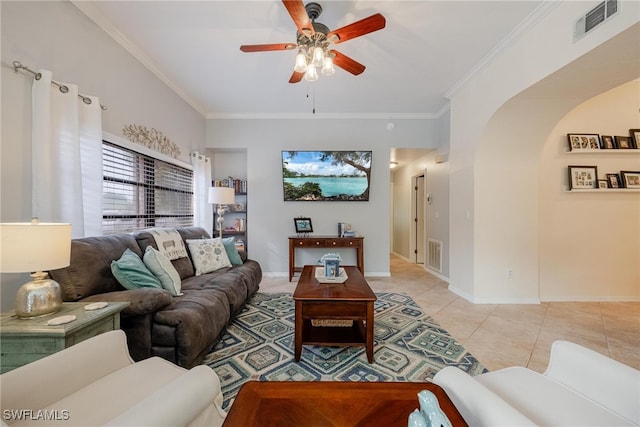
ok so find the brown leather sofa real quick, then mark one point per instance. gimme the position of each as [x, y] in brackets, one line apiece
[181, 329]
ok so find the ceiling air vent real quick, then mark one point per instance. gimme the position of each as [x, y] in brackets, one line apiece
[595, 17]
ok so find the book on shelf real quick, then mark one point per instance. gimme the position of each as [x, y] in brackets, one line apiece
[239, 185]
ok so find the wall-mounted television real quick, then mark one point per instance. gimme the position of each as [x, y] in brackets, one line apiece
[326, 175]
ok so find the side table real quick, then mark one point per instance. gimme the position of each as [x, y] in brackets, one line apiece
[25, 340]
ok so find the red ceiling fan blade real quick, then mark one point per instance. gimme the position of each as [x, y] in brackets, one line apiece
[364, 26]
[266, 47]
[299, 15]
[347, 64]
[296, 77]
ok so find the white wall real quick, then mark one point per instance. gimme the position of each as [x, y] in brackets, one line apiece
[270, 219]
[500, 119]
[58, 37]
[597, 256]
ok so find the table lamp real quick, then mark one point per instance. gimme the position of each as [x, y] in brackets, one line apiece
[35, 247]
[221, 196]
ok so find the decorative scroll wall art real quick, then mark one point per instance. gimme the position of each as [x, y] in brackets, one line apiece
[151, 138]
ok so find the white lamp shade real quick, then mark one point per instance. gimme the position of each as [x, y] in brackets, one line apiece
[222, 195]
[29, 247]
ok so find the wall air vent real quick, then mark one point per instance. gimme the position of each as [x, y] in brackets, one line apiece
[434, 255]
[594, 17]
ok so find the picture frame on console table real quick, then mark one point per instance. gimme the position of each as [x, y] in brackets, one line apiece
[630, 179]
[303, 225]
[583, 177]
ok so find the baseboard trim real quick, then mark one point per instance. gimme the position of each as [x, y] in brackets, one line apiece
[591, 299]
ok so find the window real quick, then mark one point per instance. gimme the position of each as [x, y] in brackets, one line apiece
[139, 192]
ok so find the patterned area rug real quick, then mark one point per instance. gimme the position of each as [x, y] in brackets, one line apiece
[258, 345]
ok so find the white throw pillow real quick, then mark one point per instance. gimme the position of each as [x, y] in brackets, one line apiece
[161, 267]
[208, 255]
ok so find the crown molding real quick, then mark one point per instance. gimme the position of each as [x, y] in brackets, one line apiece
[533, 18]
[99, 19]
[331, 116]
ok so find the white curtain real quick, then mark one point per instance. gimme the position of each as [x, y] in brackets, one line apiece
[202, 209]
[66, 157]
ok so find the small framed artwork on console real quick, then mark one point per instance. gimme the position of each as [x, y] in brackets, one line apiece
[583, 177]
[630, 179]
[303, 225]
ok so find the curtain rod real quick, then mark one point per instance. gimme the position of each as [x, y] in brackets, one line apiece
[17, 66]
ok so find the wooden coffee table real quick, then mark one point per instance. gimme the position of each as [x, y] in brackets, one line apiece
[335, 404]
[351, 300]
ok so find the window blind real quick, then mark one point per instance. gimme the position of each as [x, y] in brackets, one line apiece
[140, 192]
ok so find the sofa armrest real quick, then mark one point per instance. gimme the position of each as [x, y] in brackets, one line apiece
[608, 382]
[478, 405]
[142, 301]
[179, 402]
[69, 370]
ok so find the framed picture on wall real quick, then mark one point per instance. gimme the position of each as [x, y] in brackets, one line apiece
[583, 141]
[583, 177]
[614, 180]
[635, 136]
[630, 179]
[607, 142]
[624, 142]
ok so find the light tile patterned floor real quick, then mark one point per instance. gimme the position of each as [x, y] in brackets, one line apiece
[510, 334]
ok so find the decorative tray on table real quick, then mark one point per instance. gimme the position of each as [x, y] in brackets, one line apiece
[320, 277]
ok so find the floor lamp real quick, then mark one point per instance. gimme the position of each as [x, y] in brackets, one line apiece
[221, 196]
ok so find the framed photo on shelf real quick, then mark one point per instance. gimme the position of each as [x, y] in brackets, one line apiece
[624, 142]
[607, 142]
[238, 207]
[583, 141]
[614, 180]
[630, 179]
[603, 183]
[635, 135]
[303, 225]
[583, 177]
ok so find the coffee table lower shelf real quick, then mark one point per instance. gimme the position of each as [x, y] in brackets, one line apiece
[354, 335]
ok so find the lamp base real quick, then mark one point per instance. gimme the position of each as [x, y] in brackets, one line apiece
[38, 297]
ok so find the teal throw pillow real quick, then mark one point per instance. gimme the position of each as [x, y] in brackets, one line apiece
[161, 267]
[232, 252]
[131, 272]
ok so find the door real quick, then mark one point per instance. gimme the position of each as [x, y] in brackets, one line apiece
[418, 220]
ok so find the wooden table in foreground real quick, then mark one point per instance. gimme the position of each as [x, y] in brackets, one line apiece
[332, 404]
[351, 300]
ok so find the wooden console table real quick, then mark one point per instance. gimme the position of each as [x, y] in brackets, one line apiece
[356, 243]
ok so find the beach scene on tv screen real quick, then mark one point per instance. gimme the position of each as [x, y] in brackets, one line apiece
[326, 175]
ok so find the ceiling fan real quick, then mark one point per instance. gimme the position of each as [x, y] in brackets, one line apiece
[313, 41]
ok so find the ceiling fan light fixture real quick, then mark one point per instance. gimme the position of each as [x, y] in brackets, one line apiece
[301, 61]
[327, 66]
[311, 75]
[318, 56]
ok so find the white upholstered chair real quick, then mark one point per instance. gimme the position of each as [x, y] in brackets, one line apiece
[579, 388]
[95, 383]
